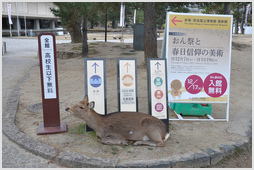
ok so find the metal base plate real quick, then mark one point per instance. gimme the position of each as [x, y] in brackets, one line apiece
[50, 130]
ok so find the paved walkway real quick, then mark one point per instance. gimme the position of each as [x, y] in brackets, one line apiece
[16, 63]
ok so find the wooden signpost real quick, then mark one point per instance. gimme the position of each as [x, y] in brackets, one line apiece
[157, 88]
[127, 85]
[95, 84]
[49, 86]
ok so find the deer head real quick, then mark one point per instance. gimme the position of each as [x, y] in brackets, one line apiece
[81, 109]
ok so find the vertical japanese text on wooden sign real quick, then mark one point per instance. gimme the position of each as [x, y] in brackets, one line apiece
[48, 65]
[49, 85]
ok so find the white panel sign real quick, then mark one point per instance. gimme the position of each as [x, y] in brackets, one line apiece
[158, 88]
[95, 83]
[48, 66]
[127, 85]
[199, 56]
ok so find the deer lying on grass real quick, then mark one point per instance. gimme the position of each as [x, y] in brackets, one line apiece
[119, 128]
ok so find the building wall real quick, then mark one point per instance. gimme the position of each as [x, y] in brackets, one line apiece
[31, 9]
[33, 18]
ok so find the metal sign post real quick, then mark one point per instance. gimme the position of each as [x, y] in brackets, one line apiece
[157, 85]
[49, 86]
[95, 84]
[127, 85]
[198, 49]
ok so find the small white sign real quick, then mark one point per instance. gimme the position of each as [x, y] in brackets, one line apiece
[158, 91]
[48, 66]
[95, 83]
[127, 84]
[9, 13]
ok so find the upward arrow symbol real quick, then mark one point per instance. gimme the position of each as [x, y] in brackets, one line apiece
[157, 64]
[94, 65]
[127, 65]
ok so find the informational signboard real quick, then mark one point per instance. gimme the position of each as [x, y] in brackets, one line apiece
[127, 85]
[95, 83]
[157, 85]
[49, 84]
[198, 50]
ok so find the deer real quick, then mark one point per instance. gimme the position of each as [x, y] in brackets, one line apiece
[122, 128]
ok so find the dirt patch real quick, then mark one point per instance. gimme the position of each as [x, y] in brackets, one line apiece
[185, 138]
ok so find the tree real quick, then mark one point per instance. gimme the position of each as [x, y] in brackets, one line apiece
[74, 17]
[150, 36]
[70, 18]
[237, 15]
[243, 17]
[227, 8]
[105, 8]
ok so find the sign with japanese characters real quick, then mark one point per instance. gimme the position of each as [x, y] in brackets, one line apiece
[157, 84]
[48, 66]
[127, 85]
[95, 83]
[49, 85]
[198, 50]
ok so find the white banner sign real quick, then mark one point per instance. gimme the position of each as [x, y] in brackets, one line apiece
[122, 13]
[9, 13]
[48, 66]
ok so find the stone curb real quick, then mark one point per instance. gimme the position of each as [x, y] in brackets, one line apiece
[205, 158]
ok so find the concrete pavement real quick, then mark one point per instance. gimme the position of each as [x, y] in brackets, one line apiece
[21, 56]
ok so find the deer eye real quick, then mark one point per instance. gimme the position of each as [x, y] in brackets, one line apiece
[81, 107]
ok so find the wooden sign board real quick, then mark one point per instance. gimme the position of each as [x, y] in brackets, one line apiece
[49, 86]
[127, 85]
[157, 85]
[95, 84]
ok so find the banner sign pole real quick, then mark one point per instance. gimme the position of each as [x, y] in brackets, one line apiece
[49, 86]
[127, 85]
[157, 88]
[95, 84]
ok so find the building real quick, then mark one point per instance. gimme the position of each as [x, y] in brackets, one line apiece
[30, 18]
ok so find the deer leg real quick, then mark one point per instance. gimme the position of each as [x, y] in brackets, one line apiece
[113, 139]
[144, 142]
[155, 137]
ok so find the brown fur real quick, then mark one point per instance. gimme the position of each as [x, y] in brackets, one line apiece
[122, 127]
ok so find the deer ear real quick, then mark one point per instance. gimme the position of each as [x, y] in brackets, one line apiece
[86, 98]
[91, 105]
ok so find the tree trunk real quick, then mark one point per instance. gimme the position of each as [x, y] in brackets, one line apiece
[227, 6]
[106, 24]
[243, 17]
[84, 38]
[150, 36]
[75, 33]
[237, 19]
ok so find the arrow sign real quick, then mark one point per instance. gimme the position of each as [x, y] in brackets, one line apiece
[157, 64]
[127, 65]
[174, 21]
[95, 64]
